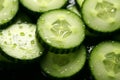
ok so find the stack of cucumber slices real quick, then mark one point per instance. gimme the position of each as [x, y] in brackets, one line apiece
[67, 39]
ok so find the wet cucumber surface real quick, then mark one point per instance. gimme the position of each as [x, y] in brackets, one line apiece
[105, 58]
[101, 44]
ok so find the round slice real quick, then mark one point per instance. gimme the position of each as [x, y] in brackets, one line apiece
[19, 41]
[61, 29]
[63, 65]
[102, 15]
[8, 9]
[43, 5]
[105, 61]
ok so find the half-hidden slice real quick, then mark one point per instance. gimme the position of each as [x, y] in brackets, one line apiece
[80, 2]
[8, 9]
[105, 61]
[63, 65]
[61, 29]
[19, 41]
[43, 5]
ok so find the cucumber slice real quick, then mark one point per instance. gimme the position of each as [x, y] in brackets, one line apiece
[105, 61]
[8, 9]
[61, 29]
[63, 65]
[43, 5]
[102, 15]
[80, 2]
[19, 41]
